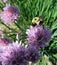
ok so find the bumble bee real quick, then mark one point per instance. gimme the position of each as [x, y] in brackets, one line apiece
[37, 21]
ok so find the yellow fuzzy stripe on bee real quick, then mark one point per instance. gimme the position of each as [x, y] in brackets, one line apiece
[36, 20]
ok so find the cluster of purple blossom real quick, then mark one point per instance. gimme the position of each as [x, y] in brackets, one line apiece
[38, 36]
[14, 53]
[9, 14]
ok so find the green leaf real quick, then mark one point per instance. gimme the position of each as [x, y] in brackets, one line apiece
[43, 61]
[55, 34]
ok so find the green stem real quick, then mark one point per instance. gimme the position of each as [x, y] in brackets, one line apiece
[19, 27]
[8, 27]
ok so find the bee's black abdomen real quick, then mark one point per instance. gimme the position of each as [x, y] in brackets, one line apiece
[34, 24]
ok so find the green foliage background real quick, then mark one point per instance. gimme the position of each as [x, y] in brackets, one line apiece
[30, 9]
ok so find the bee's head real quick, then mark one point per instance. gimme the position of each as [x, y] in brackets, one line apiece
[37, 21]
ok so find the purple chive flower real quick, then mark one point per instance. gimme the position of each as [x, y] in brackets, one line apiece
[10, 14]
[5, 41]
[1, 32]
[0, 63]
[38, 36]
[13, 54]
[32, 54]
